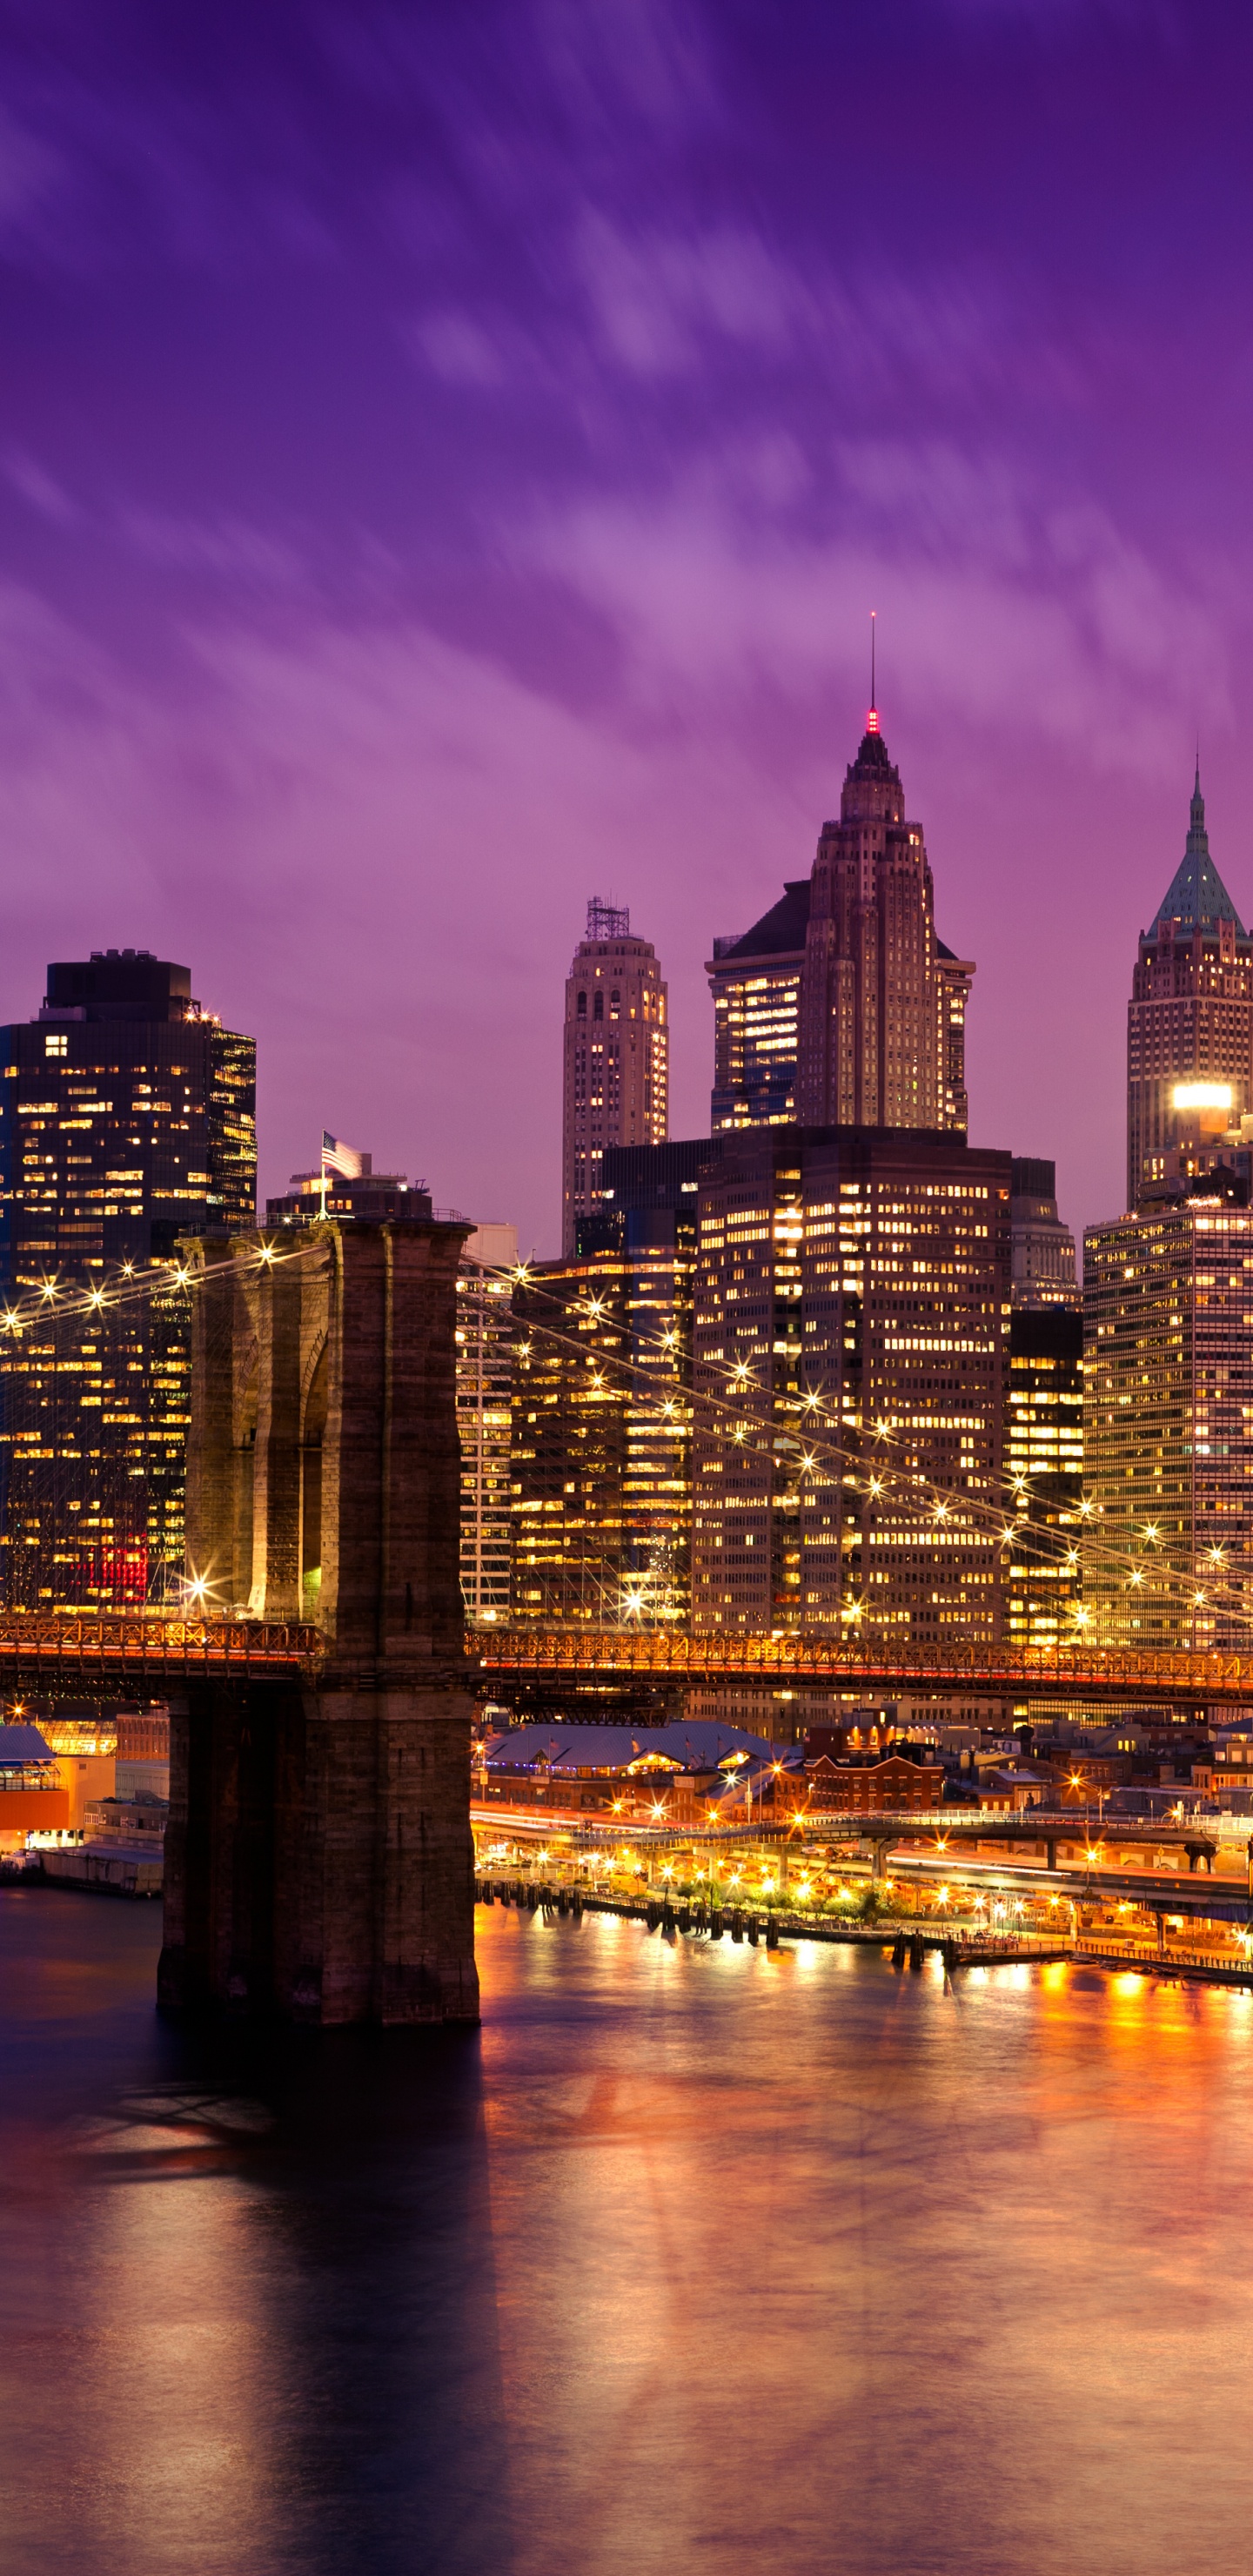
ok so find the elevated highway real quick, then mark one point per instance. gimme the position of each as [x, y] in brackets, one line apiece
[940, 1831]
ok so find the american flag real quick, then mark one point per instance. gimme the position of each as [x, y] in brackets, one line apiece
[342, 1158]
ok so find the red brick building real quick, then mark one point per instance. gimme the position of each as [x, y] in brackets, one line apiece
[866, 1786]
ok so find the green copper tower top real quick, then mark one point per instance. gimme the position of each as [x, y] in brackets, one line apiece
[1196, 897]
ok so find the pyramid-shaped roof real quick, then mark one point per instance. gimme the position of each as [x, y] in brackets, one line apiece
[1196, 896]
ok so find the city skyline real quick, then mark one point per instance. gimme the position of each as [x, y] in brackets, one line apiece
[401, 542]
[268, 1185]
[622, 601]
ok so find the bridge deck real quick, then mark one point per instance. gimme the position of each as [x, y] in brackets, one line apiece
[105, 1651]
[574, 1658]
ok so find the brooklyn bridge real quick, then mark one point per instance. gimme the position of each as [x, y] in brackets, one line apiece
[318, 1853]
[555, 1666]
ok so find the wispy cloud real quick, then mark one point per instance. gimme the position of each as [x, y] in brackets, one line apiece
[39, 489]
[229, 550]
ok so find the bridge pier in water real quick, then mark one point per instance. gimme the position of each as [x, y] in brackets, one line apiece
[318, 1853]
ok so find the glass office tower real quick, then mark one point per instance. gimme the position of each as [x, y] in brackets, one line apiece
[127, 1119]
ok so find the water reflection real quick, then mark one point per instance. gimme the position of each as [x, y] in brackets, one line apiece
[249, 2303]
[699, 2256]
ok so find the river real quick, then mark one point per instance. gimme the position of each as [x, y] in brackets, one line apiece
[696, 2256]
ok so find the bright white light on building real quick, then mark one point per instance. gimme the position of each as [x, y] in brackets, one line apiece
[1202, 1095]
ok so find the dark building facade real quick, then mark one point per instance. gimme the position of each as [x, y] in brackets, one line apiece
[127, 1120]
[1044, 1248]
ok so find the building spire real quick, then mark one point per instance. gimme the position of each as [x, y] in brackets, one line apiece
[872, 720]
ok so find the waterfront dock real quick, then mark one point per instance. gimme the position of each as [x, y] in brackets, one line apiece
[906, 1942]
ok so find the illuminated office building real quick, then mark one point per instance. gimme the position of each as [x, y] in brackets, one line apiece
[127, 1119]
[484, 1419]
[616, 1068]
[756, 984]
[1190, 1017]
[852, 1308]
[601, 1463]
[1168, 1425]
[841, 1006]
[1044, 1430]
[1042, 1569]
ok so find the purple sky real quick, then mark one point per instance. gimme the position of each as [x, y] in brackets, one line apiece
[448, 457]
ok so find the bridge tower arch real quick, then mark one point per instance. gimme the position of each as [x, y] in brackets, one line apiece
[318, 1853]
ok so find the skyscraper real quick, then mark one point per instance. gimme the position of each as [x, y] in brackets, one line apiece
[1190, 1017]
[851, 1331]
[841, 1006]
[616, 1060]
[127, 1119]
[877, 1003]
[1168, 1444]
[1044, 1434]
[1044, 1248]
[484, 1418]
[601, 1463]
[756, 984]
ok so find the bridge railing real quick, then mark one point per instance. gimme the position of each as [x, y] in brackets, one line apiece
[669, 1654]
[30, 1645]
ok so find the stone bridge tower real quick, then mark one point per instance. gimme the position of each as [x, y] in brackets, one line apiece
[318, 1854]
